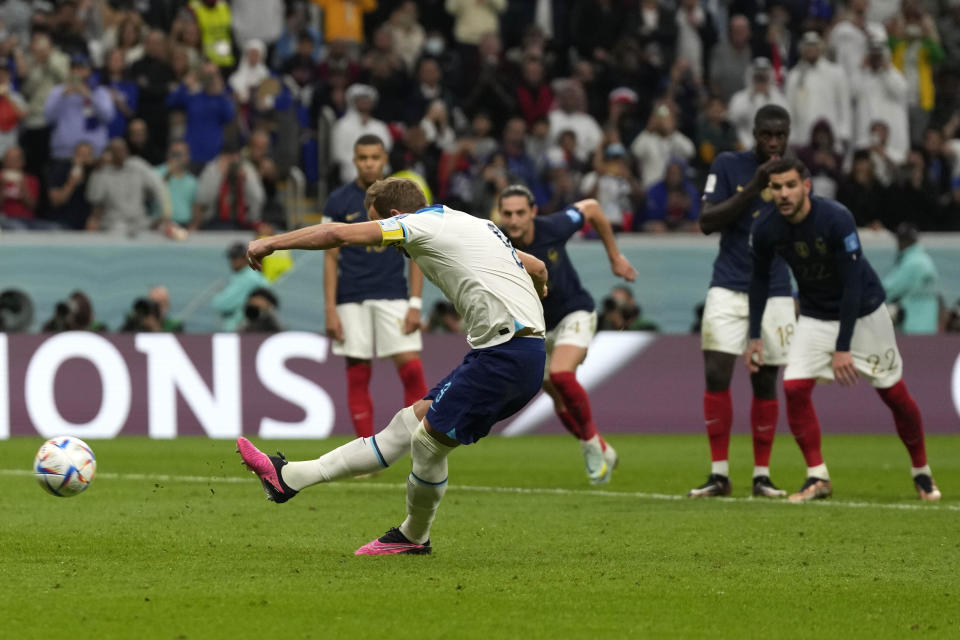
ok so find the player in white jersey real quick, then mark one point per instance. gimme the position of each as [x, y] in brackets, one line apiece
[496, 290]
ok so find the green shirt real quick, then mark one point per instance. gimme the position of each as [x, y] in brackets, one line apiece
[231, 301]
[913, 283]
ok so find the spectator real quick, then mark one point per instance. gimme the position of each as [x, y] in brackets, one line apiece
[129, 38]
[79, 110]
[214, 20]
[673, 204]
[569, 115]
[655, 27]
[822, 159]
[696, 35]
[15, 16]
[230, 194]
[472, 20]
[912, 198]
[598, 24]
[260, 154]
[408, 36]
[413, 153]
[357, 121]
[231, 301]
[885, 161]
[862, 193]
[251, 72]
[186, 41]
[143, 317]
[436, 127]
[623, 114]
[488, 89]
[124, 93]
[208, 109]
[387, 74]
[427, 88]
[818, 90]
[181, 185]
[260, 312]
[882, 94]
[73, 314]
[729, 58]
[657, 144]
[519, 164]
[913, 283]
[715, 134]
[19, 193]
[916, 52]
[343, 20]
[298, 37]
[13, 109]
[67, 188]
[257, 20]
[533, 94]
[139, 144]
[612, 185]
[118, 191]
[939, 172]
[44, 68]
[850, 38]
[160, 295]
[778, 45]
[760, 91]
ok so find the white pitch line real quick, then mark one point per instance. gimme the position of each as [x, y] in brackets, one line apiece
[538, 491]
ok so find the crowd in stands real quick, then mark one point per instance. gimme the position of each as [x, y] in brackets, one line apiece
[177, 115]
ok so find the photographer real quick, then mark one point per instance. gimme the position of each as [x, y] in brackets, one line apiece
[230, 193]
[261, 312]
[73, 314]
[622, 313]
[143, 317]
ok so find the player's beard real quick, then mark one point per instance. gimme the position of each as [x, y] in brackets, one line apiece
[793, 211]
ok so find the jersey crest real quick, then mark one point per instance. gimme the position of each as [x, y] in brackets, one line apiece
[801, 249]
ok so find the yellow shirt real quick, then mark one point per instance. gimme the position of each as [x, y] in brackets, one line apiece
[214, 23]
[343, 19]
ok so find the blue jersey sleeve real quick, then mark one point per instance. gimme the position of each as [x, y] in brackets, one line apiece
[845, 246]
[718, 186]
[762, 252]
[561, 225]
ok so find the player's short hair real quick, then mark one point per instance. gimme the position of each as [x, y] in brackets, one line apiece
[790, 162]
[516, 190]
[401, 194]
[769, 112]
[368, 139]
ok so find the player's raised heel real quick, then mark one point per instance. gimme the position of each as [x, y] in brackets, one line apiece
[267, 468]
[716, 485]
[392, 543]
[812, 489]
[598, 471]
[763, 487]
[926, 488]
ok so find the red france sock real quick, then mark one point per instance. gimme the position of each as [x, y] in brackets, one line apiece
[718, 414]
[414, 385]
[763, 426]
[569, 422]
[358, 398]
[576, 401]
[803, 419]
[906, 415]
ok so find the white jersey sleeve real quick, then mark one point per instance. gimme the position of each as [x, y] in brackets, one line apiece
[477, 269]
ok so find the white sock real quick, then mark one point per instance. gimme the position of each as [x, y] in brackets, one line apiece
[924, 470]
[761, 471]
[363, 455]
[426, 485]
[819, 471]
[721, 468]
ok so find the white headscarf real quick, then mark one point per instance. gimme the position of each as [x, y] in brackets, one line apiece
[248, 77]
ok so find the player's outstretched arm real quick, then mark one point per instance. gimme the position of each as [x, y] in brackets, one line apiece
[315, 237]
[715, 216]
[537, 270]
[619, 264]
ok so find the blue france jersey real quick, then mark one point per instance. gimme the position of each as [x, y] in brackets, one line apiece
[824, 253]
[565, 294]
[729, 173]
[365, 273]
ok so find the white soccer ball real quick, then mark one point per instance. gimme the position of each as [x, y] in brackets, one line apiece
[65, 466]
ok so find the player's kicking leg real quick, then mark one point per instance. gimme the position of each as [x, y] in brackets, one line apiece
[283, 479]
[572, 404]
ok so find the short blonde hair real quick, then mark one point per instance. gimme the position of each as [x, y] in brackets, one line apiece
[401, 194]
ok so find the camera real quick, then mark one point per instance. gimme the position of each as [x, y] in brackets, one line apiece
[144, 316]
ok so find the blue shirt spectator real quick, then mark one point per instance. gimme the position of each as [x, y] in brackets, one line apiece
[79, 112]
[124, 93]
[208, 108]
[673, 204]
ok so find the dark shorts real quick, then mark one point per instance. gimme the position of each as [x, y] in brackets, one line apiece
[490, 385]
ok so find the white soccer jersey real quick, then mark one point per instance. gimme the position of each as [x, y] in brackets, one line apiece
[475, 266]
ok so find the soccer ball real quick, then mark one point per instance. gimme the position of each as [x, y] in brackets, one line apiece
[65, 466]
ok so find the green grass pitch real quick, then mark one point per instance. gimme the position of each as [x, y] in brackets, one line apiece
[175, 540]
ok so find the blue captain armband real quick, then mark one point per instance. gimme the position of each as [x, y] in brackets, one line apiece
[393, 232]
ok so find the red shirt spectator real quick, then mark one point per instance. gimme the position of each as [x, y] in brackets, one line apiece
[18, 190]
